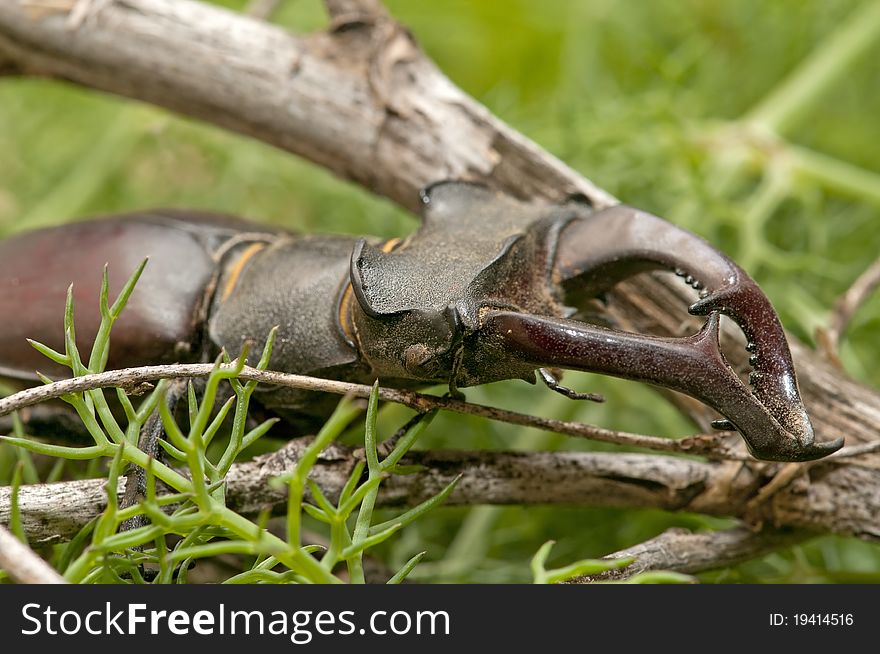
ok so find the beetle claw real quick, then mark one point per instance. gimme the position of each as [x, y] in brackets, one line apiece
[598, 250]
[693, 365]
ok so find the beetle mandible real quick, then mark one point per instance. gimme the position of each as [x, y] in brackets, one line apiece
[487, 289]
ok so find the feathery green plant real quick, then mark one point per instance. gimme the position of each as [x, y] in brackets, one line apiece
[195, 510]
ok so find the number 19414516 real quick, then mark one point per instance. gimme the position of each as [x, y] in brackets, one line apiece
[812, 620]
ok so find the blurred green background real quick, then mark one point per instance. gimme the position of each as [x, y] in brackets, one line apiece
[667, 104]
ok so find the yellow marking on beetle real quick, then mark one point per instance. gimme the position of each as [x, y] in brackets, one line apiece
[345, 318]
[390, 244]
[238, 268]
[346, 321]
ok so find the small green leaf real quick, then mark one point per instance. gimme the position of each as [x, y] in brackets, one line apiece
[214, 549]
[127, 407]
[317, 514]
[353, 479]
[258, 432]
[191, 402]
[358, 547]
[125, 293]
[76, 545]
[107, 521]
[320, 499]
[258, 576]
[172, 430]
[370, 441]
[57, 471]
[149, 405]
[172, 451]
[104, 293]
[127, 539]
[48, 352]
[15, 524]
[217, 422]
[418, 511]
[403, 573]
[363, 491]
[539, 560]
[409, 439]
[267, 349]
[585, 567]
[29, 474]
[77, 453]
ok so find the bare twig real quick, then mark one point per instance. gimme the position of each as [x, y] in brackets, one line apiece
[679, 550]
[783, 477]
[22, 563]
[845, 308]
[705, 444]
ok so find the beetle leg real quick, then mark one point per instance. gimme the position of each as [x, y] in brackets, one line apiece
[693, 365]
[552, 382]
[454, 391]
[148, 442]
[136, 477]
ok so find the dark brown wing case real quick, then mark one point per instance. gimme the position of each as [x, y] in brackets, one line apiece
[161, 323]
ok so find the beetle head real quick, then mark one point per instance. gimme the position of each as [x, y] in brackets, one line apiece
[419, 301]
[401, 334]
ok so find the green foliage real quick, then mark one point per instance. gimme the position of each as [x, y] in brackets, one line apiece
[541, 575]
[588, 567]
[655, 101]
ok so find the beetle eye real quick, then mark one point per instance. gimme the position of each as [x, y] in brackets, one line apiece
[419, 360]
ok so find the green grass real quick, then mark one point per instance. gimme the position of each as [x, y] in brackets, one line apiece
[648, 99]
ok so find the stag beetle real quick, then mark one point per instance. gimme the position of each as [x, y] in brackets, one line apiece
[487, 289]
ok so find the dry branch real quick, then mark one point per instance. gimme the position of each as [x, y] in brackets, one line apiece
[679, 550]
[845, 308]
[362, 100]
[22, 563]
